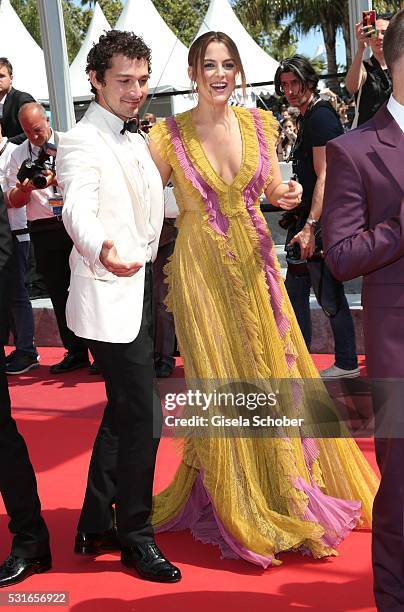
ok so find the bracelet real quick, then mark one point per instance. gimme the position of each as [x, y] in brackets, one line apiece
[312, 222]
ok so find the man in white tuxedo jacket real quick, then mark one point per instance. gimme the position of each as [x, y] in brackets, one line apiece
[113, 211]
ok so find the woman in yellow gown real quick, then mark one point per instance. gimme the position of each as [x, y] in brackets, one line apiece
[254, 497]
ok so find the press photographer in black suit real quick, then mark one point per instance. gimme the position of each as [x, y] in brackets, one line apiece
[30, 553]
[11, 101]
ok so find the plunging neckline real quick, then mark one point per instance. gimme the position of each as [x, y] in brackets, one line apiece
[206, 158]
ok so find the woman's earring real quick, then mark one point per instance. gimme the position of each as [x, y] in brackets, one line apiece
[194, 90]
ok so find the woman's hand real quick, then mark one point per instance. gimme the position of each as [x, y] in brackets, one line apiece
[362, 35]
[292, 197]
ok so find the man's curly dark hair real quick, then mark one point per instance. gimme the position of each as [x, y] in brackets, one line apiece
[113, 43]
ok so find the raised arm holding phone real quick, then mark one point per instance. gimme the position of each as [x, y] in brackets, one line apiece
[369, 80]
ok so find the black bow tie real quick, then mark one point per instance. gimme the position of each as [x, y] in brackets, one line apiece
[130, 126]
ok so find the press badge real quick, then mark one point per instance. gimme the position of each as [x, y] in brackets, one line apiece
[56, 202]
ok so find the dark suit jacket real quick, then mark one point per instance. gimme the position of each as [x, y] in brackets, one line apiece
[363, 231]
[11, 126]
[6, 249]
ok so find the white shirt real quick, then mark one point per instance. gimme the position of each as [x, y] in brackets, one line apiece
[134, 144]
[17, 216]
[397, 111]
[2, 106]
[38, 206]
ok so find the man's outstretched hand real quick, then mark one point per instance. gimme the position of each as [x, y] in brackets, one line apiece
[113, 263]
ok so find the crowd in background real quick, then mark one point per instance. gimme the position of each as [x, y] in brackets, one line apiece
[288, 115]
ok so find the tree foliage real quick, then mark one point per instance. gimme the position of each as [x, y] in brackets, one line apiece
[301, 17]
[266, 32]
[111, 9]
[263, 19]
[184, 17]
[387, 7]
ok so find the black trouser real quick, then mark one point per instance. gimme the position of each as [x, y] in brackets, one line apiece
[52, 247]
[35, 281]
[123, 459]
[164, 341]
[22, 317]
[343, 330]
[17, 478]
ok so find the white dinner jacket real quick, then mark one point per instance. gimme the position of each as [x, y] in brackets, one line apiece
[104, 199]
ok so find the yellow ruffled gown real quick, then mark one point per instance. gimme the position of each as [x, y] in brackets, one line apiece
[254, 497]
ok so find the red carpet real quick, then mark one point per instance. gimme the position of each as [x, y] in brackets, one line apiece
[59, 418]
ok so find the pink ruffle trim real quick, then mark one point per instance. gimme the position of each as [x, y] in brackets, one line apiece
[336, 516]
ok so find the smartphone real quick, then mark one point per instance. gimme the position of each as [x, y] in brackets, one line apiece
[369, 19]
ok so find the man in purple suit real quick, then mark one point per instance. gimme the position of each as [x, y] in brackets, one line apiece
[363, 233]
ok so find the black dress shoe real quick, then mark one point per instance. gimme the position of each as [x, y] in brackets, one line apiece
[17, 569]
[150, 563]
[69, 363]
[96, 543]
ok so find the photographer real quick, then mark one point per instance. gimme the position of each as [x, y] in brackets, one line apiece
[147, 122]
[287, 139]
[369, 80]
[32, 183]
[25, 356]
[11, 100]
[30, 553]
[318, 123]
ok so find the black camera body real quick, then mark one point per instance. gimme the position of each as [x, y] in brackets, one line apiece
[298, 266]
[293, 253]
[294, 221]
[34, 170]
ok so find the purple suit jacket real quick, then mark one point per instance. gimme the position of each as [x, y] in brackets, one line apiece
[363, 216]
[363, 232]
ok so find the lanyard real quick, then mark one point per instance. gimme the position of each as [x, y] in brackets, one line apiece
[4, 148]
[30, 150]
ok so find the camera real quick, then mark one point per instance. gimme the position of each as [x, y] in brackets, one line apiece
[294, 257]
[145, 125]
[296, 265]
[293, 253]
[34, 170]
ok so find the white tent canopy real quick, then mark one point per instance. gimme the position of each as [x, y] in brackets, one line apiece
[78, 78]
[320, 54]
[258, 65]
[25, 55]
[169, 54]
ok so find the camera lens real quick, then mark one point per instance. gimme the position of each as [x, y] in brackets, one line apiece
[293, 252]
[39, 181]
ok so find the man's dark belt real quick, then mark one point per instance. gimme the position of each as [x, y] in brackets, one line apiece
[43, 225]
[20, 232]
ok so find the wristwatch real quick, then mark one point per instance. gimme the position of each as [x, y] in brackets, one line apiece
[313, 222]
